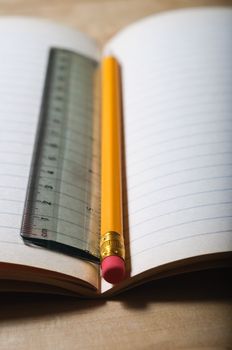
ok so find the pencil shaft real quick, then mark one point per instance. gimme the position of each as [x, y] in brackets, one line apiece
[111, 198]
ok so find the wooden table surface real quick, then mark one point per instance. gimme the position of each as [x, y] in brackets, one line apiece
[191, 311]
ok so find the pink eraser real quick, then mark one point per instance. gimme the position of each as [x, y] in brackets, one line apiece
[113, 269]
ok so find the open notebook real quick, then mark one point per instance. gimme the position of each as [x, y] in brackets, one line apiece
[177, 110]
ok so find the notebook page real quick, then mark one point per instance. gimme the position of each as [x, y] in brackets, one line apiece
[177, 86]
[24, 47]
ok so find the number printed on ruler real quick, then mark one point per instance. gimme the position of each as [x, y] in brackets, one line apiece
[62, 204]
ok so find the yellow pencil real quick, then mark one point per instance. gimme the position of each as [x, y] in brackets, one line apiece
[112, 248]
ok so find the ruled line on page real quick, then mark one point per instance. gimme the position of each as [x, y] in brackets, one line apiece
[181, 108]
[182, 196]
[163, 95]
[198, 156]
[209, 204]
[169, 139]
[162, 119]
[181, 184]
[173, 226]
[215, 165]
[180, 239]
[199, 83]
[179, 127]
[180, 148]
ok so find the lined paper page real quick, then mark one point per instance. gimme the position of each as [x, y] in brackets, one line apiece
[25, 47]
[177, 88]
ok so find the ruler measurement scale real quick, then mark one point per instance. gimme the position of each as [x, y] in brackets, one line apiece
[58, 212]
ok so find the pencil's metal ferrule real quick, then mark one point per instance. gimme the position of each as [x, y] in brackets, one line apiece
[112, 243]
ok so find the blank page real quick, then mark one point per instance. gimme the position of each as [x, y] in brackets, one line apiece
[25, 45]
[177, 88]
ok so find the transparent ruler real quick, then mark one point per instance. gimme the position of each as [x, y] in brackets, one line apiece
[62, 203]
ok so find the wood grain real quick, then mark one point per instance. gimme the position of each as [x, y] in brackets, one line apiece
[185, 312]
